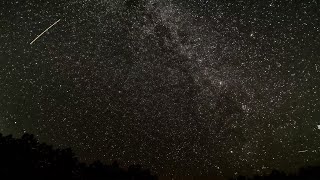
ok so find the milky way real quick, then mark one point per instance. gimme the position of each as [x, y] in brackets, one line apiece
[181, 87]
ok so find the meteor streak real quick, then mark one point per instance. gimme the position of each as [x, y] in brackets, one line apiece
[44, 32]
[303, 151]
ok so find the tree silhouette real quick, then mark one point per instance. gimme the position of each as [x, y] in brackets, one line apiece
[27, 158]
[305, 173]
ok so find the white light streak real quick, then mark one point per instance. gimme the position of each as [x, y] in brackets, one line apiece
[303, 151]
[44, 32]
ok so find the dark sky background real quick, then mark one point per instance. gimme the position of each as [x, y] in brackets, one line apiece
[181, 87]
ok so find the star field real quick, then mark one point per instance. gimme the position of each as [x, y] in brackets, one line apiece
[181, 87]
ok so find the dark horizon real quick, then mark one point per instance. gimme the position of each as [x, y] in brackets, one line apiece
[26, 157]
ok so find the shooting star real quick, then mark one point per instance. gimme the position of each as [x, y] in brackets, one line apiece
[303, 151]
[44, 32]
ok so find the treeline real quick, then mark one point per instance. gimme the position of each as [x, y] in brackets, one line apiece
[27, 158]
[305, 173]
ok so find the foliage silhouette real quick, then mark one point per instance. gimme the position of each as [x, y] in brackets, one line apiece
[27, 158]
[305, 173]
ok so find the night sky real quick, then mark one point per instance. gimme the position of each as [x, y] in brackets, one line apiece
[180, 86]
